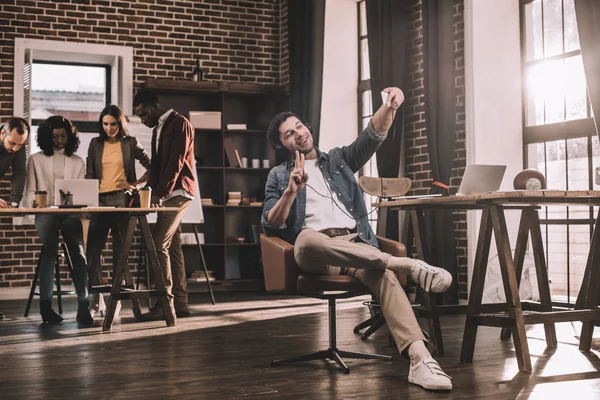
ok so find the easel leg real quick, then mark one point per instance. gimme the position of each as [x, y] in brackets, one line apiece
[511, 288]
[482, 254]
[212, 296]
[592, 296]
[429, 299]
[119, 273]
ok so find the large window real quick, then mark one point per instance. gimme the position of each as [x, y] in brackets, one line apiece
[78, 92]
[365, 104]
[559, 135]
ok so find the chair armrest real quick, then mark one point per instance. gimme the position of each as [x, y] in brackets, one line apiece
[394, 248]
[279, 266]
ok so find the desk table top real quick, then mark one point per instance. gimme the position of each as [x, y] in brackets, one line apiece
[516, 197]
[16, 212]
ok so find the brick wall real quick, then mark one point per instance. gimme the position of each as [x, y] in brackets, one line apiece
[235, 41]
[417, 157]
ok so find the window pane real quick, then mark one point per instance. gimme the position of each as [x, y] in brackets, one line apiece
[579, 247]
[536, 88]
[571, 33]
[557, 259]
[596, 162]
[533, 31]
[554, 91]
[556, 175]
[367, 106]
[365, 71]
[577, 153]
[73, 91]
[363, 18]
[553, 34]
[576, 91]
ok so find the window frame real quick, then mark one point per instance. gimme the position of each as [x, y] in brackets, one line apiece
[551, 132]
[83, 126]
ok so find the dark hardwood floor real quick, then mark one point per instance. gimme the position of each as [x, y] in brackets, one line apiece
[224, 351]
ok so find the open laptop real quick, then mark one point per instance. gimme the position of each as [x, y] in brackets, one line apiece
[481, 179]
[85, 191]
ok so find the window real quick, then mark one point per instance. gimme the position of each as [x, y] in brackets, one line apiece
[365, 104]
[559, 134]
[78, 92]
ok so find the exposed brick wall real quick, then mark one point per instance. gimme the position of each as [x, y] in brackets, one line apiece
[417, 156]
[235, 41]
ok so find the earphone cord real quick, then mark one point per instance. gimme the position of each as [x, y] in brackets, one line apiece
[340, 208]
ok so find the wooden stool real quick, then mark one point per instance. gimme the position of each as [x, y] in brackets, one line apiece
[58, 292]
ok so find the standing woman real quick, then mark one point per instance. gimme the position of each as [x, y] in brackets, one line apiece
[111, 160]
[57, 138]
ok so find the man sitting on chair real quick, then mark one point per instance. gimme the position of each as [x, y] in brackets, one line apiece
[326, 221]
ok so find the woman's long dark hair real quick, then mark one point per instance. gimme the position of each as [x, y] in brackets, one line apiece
[44, 135]
[116, 113]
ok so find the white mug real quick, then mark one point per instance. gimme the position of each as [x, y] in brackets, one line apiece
[266, 163]
[244, 162]
[255, 163]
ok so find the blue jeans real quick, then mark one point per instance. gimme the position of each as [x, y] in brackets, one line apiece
[72, 231]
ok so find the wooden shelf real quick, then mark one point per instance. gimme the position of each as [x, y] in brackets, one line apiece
[239, 103]
[204, 87]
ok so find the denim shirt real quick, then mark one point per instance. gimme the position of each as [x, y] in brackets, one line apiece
[338, 168]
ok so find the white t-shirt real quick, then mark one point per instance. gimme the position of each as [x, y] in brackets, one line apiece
[321, 210]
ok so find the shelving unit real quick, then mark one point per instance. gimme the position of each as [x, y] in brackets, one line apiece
[235, 265]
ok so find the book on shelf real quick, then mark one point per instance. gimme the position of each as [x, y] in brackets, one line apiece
[200, 276]
[230, 152]
[256, 203]
[236, 127]
[237, 156]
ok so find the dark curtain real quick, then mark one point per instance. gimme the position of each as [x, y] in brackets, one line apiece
[440, 120]
[386, 28]
[588, 23]
[306, 31]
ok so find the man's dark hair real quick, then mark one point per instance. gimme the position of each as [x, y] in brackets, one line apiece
[18, 123]
[273, 130]
[116, 113]
[44, 135]
[145, 96]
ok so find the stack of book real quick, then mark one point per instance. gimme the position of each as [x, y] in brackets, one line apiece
[234, 198]
[200, 276]
[207, 202]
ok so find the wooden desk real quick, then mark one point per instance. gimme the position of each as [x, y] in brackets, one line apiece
[513, 314]
[117, 290]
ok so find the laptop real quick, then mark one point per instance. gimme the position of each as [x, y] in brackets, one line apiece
[481, 179]
[85, 191]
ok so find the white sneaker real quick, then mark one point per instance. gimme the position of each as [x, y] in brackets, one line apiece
[431, 279]
[428, 374]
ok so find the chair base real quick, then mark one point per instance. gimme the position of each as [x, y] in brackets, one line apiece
[334, 355]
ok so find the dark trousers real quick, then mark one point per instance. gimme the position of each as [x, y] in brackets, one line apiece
[70, 226]
[100, 226]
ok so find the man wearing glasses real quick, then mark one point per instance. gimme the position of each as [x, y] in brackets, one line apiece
[13, 136]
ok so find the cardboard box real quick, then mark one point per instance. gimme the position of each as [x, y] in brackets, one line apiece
[206, 119]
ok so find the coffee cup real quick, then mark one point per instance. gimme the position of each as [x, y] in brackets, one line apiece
[41, 198]
[266, 163]
[145, 196]
[255, 163]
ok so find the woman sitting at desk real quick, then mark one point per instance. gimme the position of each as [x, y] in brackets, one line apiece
[111, 160]
[57, 138]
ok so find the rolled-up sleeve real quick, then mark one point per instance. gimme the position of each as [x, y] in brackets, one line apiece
[272, 195]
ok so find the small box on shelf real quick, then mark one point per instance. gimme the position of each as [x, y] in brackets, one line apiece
[205, 119]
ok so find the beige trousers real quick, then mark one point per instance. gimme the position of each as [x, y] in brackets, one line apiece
[167, 240]
[317, 253]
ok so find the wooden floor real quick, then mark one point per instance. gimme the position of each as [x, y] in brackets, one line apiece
[224, 352]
